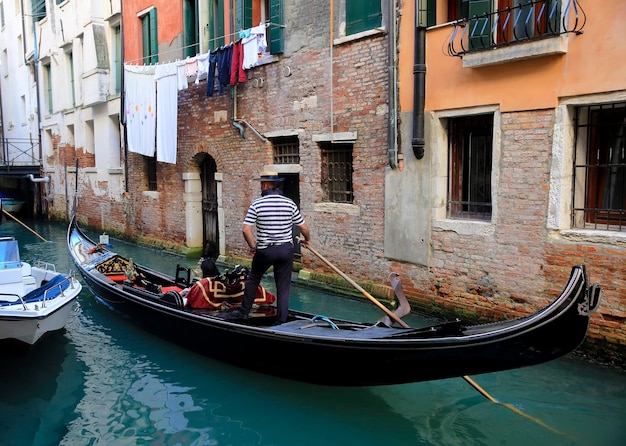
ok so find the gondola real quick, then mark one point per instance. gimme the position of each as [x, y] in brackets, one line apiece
[331, 351]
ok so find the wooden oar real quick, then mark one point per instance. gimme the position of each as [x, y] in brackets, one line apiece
[393, 316]
[358, 287]
[23, 224]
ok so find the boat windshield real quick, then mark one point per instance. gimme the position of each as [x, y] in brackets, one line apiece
[9, 254]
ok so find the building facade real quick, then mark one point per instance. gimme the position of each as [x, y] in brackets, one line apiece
[63, 85]
[523, 172]
[473, 146]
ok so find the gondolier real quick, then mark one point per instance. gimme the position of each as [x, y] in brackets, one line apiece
[273, 215]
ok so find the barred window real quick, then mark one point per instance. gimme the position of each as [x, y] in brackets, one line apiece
[600, 167]
[337, 172]
[151, 172]
[470, 142]
[286, 150]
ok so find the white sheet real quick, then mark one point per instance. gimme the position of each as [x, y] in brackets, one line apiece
[167, 112]
[140, 108]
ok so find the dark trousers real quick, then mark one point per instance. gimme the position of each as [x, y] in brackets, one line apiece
[281, 258]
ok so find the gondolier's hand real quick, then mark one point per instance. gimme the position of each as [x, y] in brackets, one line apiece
[303, 241]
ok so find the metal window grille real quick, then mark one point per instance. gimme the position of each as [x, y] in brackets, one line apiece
[599, 189]
[337, 172]
[470, 143]
[286, 150]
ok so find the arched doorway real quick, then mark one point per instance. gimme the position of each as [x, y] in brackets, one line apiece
[210, 221]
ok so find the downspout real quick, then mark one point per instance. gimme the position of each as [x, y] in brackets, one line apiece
[123, 100]
[235, 121]
[392, 152]
[419, 88]
[36, 80]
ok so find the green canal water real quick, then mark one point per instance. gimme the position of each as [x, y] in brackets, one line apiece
[105, 382]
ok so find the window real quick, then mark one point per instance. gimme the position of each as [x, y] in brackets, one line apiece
[363, 15]
[70, 67]
[337, 172]
[117, 58]
[151, 172]
[190, 17]
[426, 13]
[246, 14]
[149, 37]
[600, 167]
[47, 76]
[38, 8]
[470, 142]
[286, 150]
[215, 27]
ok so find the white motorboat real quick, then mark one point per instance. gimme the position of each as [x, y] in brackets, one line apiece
[34, 299]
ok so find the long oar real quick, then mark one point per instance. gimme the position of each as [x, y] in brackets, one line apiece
[358, 287]
[23, 224]
[393, 316]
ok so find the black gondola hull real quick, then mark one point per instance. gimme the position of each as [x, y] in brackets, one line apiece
[370, 357]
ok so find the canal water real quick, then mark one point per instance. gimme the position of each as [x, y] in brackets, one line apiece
[105, 382]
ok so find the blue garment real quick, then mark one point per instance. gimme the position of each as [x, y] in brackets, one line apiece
[224, 63]
[211, 75]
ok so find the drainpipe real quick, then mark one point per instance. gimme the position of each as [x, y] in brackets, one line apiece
[123, 100]
[32, 178]
[419, 88]
[393, 155]
[37, 94]
[235, 121]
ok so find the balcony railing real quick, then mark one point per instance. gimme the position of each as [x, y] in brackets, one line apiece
[523, 22]
[19, 152]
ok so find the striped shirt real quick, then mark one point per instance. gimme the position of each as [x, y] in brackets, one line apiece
[274, 216]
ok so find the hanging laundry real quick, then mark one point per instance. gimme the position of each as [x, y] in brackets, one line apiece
[181, 75]
[254, 46]
[167, 112]
[192, 66]
[140, 108]
[237, 74]
[210, 88]
[224, 62]
[203, 67]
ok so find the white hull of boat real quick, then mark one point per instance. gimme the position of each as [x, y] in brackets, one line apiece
[28, 326]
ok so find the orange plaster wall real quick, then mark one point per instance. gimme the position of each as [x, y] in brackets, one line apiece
[593, 64]
[169, 19]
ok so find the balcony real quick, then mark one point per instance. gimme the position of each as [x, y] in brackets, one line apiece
[527, 29]
[19, 155]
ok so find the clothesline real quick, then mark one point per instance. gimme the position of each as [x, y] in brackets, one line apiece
[132, 62]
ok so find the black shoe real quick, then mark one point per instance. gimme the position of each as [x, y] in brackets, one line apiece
[237, 314]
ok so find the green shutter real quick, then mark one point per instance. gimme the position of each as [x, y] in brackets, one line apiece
[276, 31]
[118, 59]
[243, 15]
[480, 27]
[154, 37]
[190, 18]
[362, 15]
[216, 24]
[426, 14]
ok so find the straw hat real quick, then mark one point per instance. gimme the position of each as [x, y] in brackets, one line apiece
[268, 175]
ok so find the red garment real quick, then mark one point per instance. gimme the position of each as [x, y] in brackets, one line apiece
[237, 73]
[208, 293]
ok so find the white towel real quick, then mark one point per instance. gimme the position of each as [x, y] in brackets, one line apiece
[140, 108]
[167, 112]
